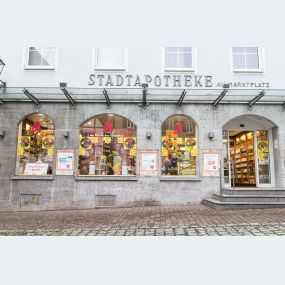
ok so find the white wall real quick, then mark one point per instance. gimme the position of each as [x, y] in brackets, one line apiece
[144, 27]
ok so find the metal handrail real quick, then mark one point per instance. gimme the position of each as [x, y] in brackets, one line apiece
[231, 163]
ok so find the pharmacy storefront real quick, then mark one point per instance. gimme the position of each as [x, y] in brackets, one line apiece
[111, 146]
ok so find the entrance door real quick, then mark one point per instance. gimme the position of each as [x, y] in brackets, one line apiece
[252, 155]
[242, 154]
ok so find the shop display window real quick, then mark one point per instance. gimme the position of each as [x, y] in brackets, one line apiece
[179, 148]
[35, 148]
[107, 146]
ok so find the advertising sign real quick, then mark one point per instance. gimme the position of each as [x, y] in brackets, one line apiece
[64, 162]
[36, 169]
[187, 169]
[211, 163]
[149, 163]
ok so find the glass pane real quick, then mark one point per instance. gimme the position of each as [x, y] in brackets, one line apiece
[239, 61]
[41, 56]
[171, 60]
[251, 50]
[238, 50]
[35, 58]
[107, 146]
[171, 49]
[263, 157]
[103, 56]
[185, 60]
[185, 49]
[117, 58]
[179, 147]
[48, 58]
[107, 57]
[35, 150]
[252, 61]
[225, 158]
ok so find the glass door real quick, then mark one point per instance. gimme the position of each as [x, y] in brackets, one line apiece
[264, 158]
[226, 170]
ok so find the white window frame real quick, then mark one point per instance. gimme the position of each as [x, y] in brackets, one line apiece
[41, 67]
[95, 65]
[164, 68]
[261, 62]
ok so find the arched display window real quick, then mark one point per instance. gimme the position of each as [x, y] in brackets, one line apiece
[179, 147]
[107, 146]
[35, 149]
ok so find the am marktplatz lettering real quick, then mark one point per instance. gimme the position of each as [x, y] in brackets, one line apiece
[245, 84]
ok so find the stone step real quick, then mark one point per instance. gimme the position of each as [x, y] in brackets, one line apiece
[249, 198]
[254, 191]
[221, 205]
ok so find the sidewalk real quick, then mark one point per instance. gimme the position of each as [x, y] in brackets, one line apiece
[158, 220]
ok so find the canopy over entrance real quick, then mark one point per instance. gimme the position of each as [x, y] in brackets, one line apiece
[142, 95]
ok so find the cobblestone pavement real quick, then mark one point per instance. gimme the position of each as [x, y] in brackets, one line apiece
[195, 220]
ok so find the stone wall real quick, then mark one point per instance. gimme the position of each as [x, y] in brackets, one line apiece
[71, 192]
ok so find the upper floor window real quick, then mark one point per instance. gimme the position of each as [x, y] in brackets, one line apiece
[40, 58]
[178, 59]
[247, 59]
[110, 58]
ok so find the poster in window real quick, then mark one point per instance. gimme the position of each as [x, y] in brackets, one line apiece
[129, 143]
[149, 163]
[64, 162]
[36, 169]
[23, 143]
[211, 163]
[120, 139]
[187, 169]
[167, 143]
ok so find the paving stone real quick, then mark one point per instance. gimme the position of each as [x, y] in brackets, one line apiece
[145, 221]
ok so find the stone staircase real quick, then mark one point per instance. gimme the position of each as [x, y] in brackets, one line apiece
[247, 198]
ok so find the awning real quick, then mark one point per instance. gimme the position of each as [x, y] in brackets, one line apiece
[138, 96]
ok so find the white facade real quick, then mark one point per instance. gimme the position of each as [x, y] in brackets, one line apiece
[76, 29]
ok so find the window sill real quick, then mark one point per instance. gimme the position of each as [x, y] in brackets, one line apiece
[248, 70]
[105, 178]
[123, 68]
[179, 69]
[30, 177]
[180, 178]
[39, 68]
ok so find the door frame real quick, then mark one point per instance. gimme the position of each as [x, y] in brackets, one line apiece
[271, 160]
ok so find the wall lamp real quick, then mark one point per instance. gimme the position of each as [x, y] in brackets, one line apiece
[66, 134]
[211, 135]
[62, 85]
[148, 135]
[2, 134]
